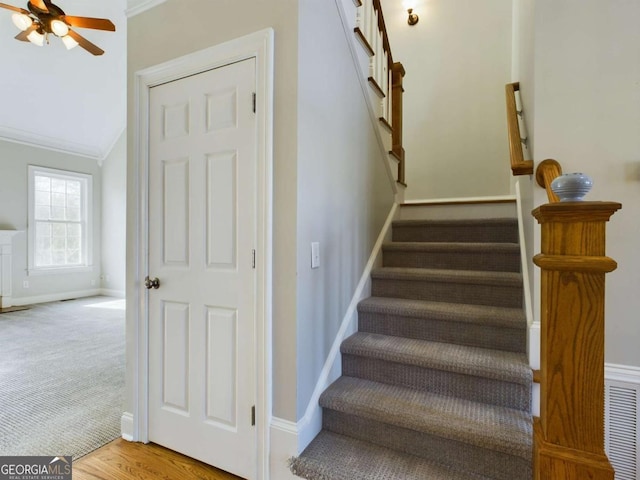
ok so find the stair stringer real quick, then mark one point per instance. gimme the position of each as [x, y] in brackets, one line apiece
[310, 424]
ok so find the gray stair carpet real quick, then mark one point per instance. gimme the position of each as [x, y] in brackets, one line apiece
[436, 383]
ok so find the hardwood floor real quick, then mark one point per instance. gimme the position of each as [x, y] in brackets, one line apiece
[122, 460]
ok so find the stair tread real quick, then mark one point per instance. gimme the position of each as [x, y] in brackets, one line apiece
[486, 426]
[465, 313]
[475, 361]
[505, 247]
[449, 276]
[331, 456]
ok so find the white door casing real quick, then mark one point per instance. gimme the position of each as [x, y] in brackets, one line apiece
[218, 414]
[202, 232]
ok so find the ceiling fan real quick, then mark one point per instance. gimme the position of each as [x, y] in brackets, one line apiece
[44, 18]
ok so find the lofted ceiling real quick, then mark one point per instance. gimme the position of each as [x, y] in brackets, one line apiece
[68, 101]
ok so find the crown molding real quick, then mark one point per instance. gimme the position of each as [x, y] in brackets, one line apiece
[50, 143]
[140, 6]
[62, 146]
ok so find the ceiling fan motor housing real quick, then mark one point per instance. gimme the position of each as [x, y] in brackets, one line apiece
[45, 17]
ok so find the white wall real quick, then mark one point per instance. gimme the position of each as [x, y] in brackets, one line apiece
[114, 211]
[14, 160]
[203, 24]
[522, 64]
[344, 194]
[587, 116]
[458, 59]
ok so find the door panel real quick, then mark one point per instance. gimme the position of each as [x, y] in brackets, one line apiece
[202, 231]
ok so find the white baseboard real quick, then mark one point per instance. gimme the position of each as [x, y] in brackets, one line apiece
[283, 446]
[126, 426]
[112, 293]
[55, 297]
[436, 201]
[622, 373]
[311, 423]
[533, 346]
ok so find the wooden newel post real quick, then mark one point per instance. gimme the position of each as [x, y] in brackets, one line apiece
[569, 435]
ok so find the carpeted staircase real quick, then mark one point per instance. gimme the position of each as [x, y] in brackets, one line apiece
[436, 383]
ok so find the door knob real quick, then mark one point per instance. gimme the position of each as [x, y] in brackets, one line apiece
[151, 282]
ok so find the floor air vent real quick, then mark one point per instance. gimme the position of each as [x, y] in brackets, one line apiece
[622, 428]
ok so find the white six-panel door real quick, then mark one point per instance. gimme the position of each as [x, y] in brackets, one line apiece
[202, 236]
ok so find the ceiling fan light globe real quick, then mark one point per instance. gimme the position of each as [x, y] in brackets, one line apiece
[59, 28]
[69, 42]
[36, 38]
[21, 21]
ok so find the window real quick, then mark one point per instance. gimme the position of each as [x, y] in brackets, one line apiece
[59, 222]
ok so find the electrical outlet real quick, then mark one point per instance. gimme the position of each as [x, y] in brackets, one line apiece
[93, 283]
[25, 284]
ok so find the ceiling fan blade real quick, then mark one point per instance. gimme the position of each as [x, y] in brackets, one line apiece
[39, 4]
[22, 36]
[15, 9]
[86, 44]
[88, 22]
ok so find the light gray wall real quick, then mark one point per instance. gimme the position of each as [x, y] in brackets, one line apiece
[458, 59]
[587, 116]
[14, 160]
[114, 211]
[344, 194]
[522, 66]
[201, 25]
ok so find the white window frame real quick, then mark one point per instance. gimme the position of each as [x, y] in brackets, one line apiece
[87, 221]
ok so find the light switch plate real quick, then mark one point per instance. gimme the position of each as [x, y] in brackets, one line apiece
[315, 255]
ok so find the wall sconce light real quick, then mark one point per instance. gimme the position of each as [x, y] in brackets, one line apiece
[409, 6]
[413, 17]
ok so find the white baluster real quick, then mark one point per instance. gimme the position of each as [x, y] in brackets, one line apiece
[385, 86]
[360, 18]
[367, 5]
[374, 44]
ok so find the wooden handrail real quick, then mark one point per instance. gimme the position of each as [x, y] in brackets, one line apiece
[519, 166]
[546, 172]
[397, 149]
[385, 75]
[569, 434]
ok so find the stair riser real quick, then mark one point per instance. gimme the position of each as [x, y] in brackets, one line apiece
[471, 458]
[468, 387]
[492, 262]
[492, 295]
[440, 233]
[474, 335]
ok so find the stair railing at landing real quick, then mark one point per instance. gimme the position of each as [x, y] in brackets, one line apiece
[385, 75]
[517, 132]
[569, 434]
